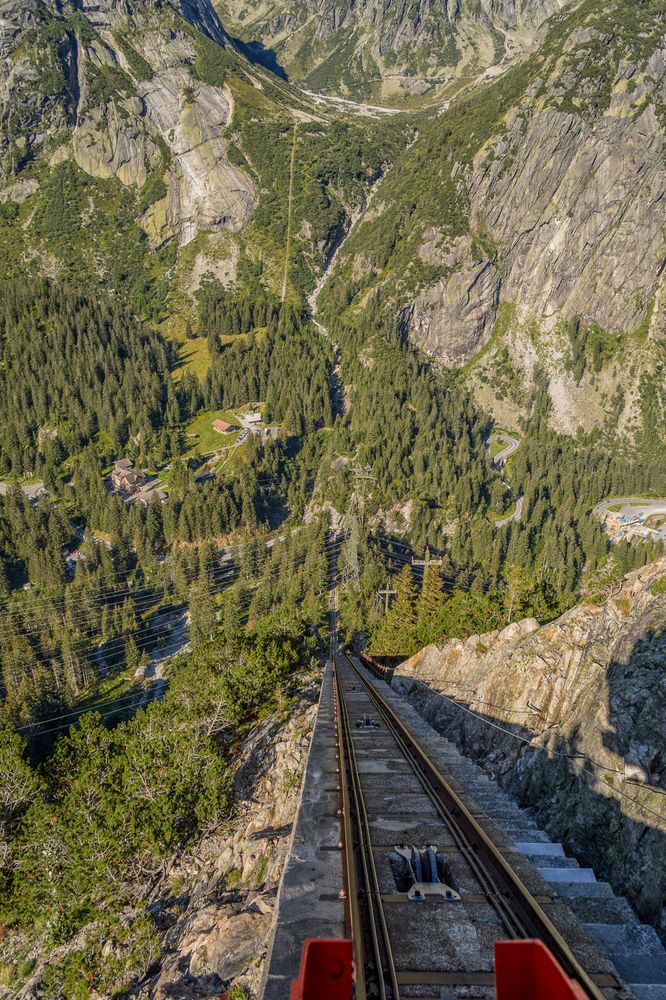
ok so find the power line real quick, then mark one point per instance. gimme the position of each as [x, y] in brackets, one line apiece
[555, 753]
[139, 598]
[156, 686]
[221, 576]
[53, 604]
[116, 645]
[138, 604]
[238, 546]
[87, 708]
[138, 703]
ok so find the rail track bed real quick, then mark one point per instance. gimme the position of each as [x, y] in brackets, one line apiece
[476, 888]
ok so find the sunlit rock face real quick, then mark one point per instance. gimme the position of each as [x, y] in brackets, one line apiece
[163, 121]
[590, 684]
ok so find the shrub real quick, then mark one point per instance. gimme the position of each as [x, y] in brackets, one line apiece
[141, 69]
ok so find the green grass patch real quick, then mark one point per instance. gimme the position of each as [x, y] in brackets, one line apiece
[194, 358]
[208, 440]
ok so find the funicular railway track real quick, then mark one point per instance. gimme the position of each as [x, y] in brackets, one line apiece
[394, 800]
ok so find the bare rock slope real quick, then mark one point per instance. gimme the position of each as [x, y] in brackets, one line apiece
[522, 234]
[570, 717]
[161, 124]
[216, 926]
[381, 48]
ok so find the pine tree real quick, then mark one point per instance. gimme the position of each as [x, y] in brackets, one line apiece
[203, 617]
[397, 630]
[431, 597]
[132, 655]
[404, 606]
[518, 590]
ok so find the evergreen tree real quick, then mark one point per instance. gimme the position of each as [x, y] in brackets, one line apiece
[133, 660]
[404, 605]
[431, 597]
[203, 616]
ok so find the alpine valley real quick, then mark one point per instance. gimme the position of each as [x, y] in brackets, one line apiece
[320, 320]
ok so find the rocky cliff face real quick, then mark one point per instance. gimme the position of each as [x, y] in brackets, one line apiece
[132, 109]
[570, 207]
[387, 50]
[570, 717]
[118, 117]
[108, 13]
[216, 927]
[535, 203]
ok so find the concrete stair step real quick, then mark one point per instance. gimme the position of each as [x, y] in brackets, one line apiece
[637, 939]
[536, 847]
[506, 816]
[507, 809]
[557, 875]
[521, 832]
[608, 911]
[647, 969]
[549, 861]
[648, 991]
[635, 950]
[587, 890]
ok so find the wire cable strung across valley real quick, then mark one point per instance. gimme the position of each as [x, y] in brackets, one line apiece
[132, 593]
[138, 696]
[116, 644]
[50, 605]
[152, 596]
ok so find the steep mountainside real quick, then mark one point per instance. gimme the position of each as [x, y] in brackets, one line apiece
[526, 223]
[383, 50]
[588, 692]
[520, 235]
[128, 132]
[212, 905]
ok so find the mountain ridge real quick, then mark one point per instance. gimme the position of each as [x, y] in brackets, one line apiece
[522, 231]
[386, 51]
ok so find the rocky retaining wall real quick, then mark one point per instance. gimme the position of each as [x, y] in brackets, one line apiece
[537, 705]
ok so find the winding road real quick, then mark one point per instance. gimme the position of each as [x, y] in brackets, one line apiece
[511, 444]
[512, 517]
[632, 506]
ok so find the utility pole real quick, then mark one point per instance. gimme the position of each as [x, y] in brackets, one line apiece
[427, 561]
[362, 476]
[386, 593]
[353, 522]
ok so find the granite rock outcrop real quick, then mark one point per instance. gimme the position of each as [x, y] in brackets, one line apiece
[570, 718]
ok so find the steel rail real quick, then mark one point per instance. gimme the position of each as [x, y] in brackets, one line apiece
[353, 910]
[510, 896]
[378, 929]
[490, 887]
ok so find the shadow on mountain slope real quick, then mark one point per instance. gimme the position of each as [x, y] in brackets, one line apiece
[257, 52]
